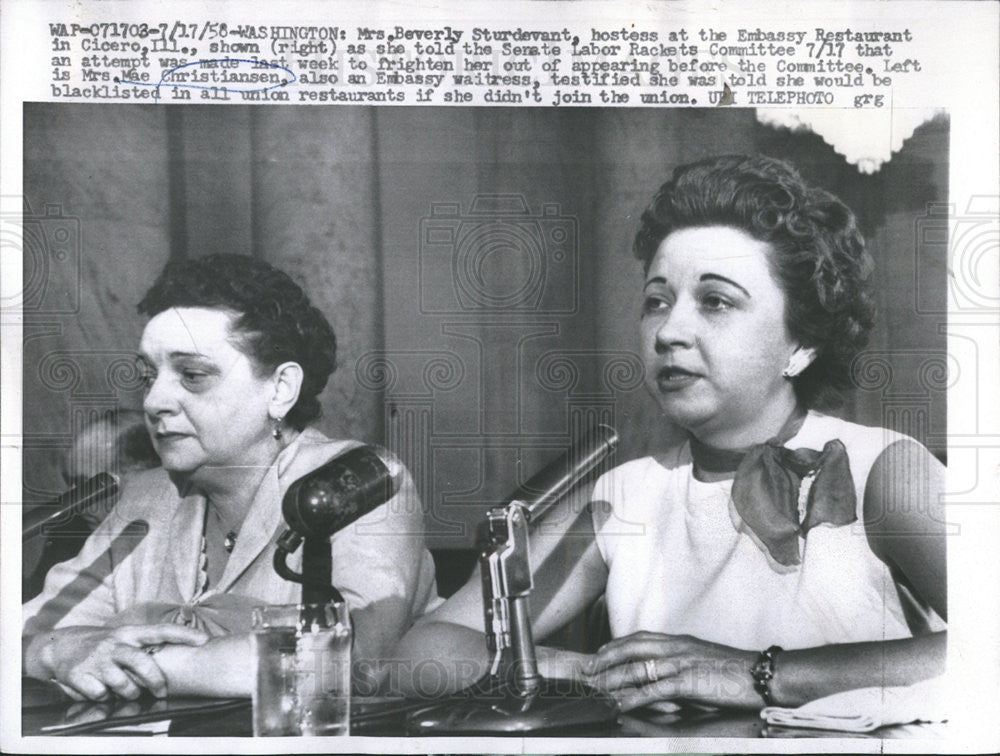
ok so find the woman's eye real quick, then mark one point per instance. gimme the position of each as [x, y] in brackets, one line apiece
[147, 378]
[653, 305]
[715, 302]
[194, 377]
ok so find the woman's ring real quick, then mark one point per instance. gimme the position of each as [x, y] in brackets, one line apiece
[651, 675]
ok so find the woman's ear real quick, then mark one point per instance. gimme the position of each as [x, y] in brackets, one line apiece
[800, 359]
[287, 378]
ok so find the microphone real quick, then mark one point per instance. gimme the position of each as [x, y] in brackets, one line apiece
[344, 489]
[324, 502]
[76, 500]
[548, 486]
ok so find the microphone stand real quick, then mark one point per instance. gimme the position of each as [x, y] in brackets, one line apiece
[316, 576]
[74, 502]
[514, 698]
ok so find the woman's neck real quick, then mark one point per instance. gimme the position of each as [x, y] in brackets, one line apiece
[762, 431]
[231, 491]
[713, 463]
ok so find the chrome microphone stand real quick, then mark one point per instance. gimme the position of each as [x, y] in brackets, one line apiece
[514, 698]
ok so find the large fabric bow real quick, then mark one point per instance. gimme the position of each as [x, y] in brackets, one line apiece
[768, 486]
[767, 489]
[218, 614]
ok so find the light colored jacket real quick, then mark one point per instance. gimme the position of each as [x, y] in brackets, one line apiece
[142, 564]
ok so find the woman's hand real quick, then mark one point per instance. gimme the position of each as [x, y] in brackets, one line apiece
[645, 667]
[95, 662]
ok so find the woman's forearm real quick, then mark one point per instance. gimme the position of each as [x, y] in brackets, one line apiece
[807, 674]
[223, 667]
[450, 657]
[645, 667]
[437, 658]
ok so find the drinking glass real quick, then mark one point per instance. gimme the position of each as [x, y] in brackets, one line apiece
[303, 669]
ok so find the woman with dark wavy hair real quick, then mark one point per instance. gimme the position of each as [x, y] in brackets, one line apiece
[779, 554]
[234, 358]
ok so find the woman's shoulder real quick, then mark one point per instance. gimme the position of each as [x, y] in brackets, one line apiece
[312, 440]
[311, 449]
[865, 444]
[858, 438]
[148, 495]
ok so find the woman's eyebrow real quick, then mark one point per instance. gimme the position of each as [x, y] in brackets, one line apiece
[731, 282]
[143, 357]
[653, 280]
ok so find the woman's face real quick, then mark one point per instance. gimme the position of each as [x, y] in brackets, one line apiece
[714, 336]
[206, 408]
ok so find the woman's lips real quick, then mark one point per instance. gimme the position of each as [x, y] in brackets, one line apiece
[675, 378]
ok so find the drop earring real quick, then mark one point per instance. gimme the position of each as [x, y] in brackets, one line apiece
[276, 431]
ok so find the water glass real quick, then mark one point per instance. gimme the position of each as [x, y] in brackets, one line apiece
[303, 670]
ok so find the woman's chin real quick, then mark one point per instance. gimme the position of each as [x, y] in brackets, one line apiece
[683, 414]
[173, 463]
[181, 471]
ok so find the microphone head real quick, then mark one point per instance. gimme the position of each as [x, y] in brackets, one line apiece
[339, 492]
[558, 478]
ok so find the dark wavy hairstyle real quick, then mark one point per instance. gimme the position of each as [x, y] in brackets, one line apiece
[819, 256]
[275, 322]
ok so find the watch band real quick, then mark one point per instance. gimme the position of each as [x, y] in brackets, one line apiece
[763, 672]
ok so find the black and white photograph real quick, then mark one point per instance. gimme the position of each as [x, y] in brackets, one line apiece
[493, 427]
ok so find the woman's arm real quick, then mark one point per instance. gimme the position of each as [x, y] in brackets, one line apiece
[905, 519]
[803, 676]
[222, 667]
[382, 567]
[645, 667]
[64, 637]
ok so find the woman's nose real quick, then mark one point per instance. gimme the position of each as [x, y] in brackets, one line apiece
[677, 327]
[158, 399]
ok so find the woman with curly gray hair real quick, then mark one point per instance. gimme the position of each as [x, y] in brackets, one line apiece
[779, 554]
[234, 358]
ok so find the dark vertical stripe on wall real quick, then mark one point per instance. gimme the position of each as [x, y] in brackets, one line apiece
[378, 324]
[256, 218]
[176, 182]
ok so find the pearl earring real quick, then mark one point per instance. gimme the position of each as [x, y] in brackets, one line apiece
[276, 430]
